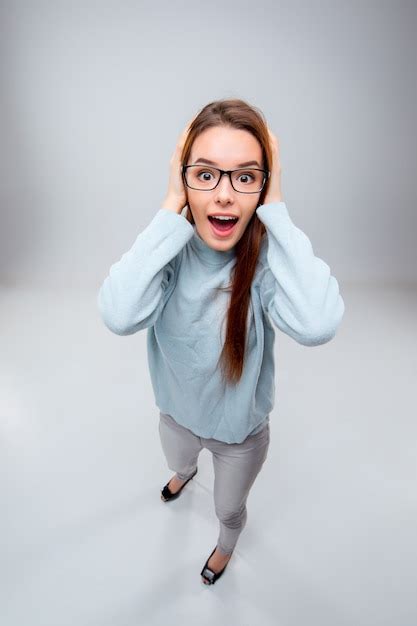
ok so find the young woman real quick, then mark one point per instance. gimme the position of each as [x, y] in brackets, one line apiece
[211, 287]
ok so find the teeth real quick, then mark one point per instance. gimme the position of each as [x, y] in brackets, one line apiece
[223, 217]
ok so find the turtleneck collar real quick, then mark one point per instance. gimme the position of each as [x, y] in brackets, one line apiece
[208, 254]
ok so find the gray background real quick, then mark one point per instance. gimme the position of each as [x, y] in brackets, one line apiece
[94, 97]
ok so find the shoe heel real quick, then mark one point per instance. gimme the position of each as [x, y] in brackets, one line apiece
[167, 495]
[208, 574]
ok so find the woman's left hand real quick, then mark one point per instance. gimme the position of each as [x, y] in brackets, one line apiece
[274, 193]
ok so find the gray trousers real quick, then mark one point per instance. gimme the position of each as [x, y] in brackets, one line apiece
[236, 466]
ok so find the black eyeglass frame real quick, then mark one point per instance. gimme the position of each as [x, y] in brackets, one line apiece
[267, 174]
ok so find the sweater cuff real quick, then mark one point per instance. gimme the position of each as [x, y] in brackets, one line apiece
[272, 211]
[167, 216]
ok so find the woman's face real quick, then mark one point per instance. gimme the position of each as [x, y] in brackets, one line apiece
[228, 148]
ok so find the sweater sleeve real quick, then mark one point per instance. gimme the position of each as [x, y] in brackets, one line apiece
[297, 289]
[134, 293]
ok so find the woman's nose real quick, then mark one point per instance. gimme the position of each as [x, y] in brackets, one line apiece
[225, 186]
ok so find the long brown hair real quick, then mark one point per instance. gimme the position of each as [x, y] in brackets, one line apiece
[236, 113]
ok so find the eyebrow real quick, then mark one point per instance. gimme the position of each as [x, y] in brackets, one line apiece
[245, 164]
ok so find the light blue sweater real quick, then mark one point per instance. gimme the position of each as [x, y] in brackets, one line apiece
[166, 283]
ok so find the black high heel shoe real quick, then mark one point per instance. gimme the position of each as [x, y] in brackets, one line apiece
[208, 574]
[167, 495]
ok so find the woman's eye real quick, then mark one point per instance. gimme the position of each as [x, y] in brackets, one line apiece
[206, 174]
[246, 176]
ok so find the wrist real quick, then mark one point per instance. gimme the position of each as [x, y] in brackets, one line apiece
[172, 204]
[275, 198]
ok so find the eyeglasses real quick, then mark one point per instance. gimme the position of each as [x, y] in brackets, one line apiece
[203, 178]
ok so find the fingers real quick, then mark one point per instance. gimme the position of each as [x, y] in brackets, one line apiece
[273, 139]
[183, 136]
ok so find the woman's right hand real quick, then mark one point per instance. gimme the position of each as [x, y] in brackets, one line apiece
[176, 197]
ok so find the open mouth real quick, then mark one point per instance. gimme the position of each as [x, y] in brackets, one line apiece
[223, 227]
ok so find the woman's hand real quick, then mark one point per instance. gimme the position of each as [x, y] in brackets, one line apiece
[176, 197]
[274, 193]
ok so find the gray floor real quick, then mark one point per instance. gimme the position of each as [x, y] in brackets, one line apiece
[85, 538]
